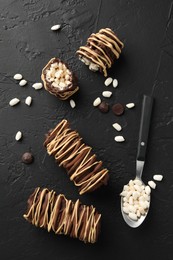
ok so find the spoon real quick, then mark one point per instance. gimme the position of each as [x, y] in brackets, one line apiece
[141, 152]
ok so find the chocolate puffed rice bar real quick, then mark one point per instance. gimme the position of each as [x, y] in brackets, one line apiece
[101, 50]
[76, 157]
[58, 80]
[55, 213]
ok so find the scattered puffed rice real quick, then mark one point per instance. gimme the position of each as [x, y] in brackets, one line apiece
[158, 177]
[117, 127]
[97, 102]
[37, 85]
[28, 100]
[130, 105]
[14, 102]
[55, 27]
[72, 103]
[18, 136]
[115, 83]
[108, 81]
[119, 138]
[17, 76]
[22, 83]
[152, 184]
[107, 94]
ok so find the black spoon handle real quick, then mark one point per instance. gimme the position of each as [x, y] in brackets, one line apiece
[144, 127]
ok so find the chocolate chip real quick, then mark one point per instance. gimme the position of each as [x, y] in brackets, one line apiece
[103, 107]
[118, 109]
[27, 158]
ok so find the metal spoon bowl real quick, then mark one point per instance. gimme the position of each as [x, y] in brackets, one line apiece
[140, 159]
[134, 223]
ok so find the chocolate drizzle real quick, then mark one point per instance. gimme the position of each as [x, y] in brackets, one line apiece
[76, 157]
[54, 212]
[102, 49]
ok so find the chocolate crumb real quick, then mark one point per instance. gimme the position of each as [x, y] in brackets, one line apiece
[103, 107]
[118, 109]
[27, 158]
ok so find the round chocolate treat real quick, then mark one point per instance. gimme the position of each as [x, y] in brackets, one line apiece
[118, 109]
[103, 107]
[58, 79]
[27, 158]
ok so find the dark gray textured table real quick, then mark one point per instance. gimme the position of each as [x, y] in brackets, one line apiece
[145, 67]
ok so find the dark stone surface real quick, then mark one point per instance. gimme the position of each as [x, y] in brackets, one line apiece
[145, 67]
